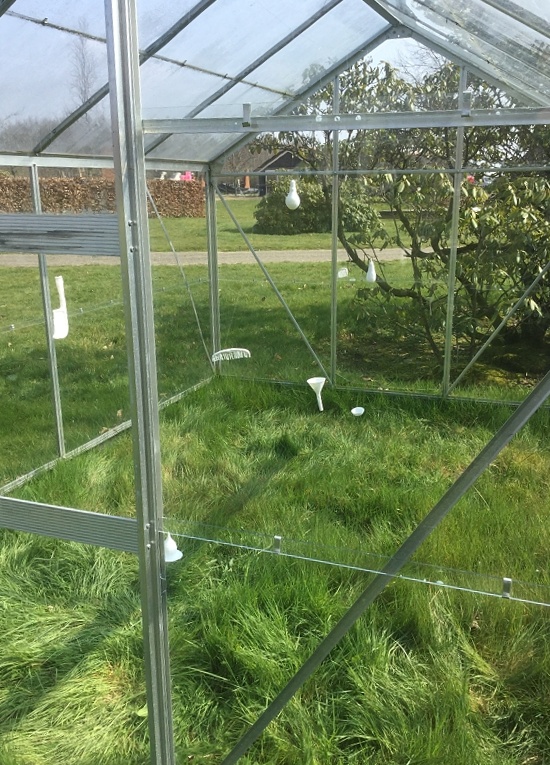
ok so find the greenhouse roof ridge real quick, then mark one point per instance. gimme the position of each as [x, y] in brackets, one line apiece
[206, 58]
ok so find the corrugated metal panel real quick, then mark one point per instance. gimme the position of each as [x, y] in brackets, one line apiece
[111, 531]
[60, 234]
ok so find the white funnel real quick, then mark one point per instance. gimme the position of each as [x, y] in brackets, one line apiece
[316, 383]
[60, 315]
[171, 552]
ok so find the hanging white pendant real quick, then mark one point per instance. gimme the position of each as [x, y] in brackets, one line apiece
[292, 200]
[371, 272]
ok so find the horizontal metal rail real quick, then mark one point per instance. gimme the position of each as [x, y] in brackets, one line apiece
[364, 121]
[60, 234]
[68, 523]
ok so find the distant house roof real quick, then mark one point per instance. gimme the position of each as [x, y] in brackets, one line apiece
[284, 160]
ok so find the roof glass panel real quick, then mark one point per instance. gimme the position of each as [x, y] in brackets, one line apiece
[197, 147]
[48, 70]
[347, 27]
[232, 53]
[489, 34]
[85, 15]
[157, 16]
[228, 37]
[171, 91]
[89, 136]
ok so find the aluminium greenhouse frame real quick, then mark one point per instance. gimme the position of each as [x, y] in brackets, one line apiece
[144, 535]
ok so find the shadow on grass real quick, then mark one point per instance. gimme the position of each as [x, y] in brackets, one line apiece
[40, 672]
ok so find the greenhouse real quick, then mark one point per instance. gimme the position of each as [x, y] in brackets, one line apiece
[276, 340]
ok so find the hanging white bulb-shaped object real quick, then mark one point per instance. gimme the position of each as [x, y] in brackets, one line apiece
[171, 552]
[292, 200]
[371, 272]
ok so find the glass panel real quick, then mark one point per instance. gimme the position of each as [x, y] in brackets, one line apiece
[500, 45]
[47, 73]
[25, 390]
[155, 17]
[502, 347]
[86, 15]
[170, 91]
[227, 38]
[90, 135]
[392, 294]
[309, 55]
[194, 147]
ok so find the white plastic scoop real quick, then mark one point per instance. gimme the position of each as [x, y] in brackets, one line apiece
[316, 384]
[60, 315]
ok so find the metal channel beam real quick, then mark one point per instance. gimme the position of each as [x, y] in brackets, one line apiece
[131, 196]
[453, 238]
[48, 322]
[378, 121]
[335, 202]
[59, 234]
[213, 270]
[58, 160]
[436, 515]
[111, 531]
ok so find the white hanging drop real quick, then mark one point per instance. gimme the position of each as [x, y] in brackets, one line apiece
[292, 200]
[371, 272]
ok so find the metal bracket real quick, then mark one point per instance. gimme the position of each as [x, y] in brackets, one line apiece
[506, 587]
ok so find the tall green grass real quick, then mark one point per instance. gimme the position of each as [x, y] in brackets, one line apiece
[428, 675]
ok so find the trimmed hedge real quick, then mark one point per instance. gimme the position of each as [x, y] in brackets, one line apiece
[174, 199]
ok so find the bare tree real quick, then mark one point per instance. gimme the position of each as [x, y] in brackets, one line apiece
[83, 61]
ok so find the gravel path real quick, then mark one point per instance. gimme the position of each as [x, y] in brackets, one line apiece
[192, 258]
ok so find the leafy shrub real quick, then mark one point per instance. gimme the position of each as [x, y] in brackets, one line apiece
[274, 217]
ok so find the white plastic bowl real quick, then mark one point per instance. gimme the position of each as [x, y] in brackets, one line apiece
[357, 411]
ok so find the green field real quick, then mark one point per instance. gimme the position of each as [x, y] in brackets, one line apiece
[189, 234]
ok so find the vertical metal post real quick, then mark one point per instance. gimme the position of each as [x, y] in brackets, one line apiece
[212, 243]
[334, 261]
[131, 195]
[451, 278]
[48, 322]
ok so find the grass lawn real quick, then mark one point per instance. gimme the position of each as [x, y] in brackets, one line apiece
[428, 675]
[189, 234]
[381, 352]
